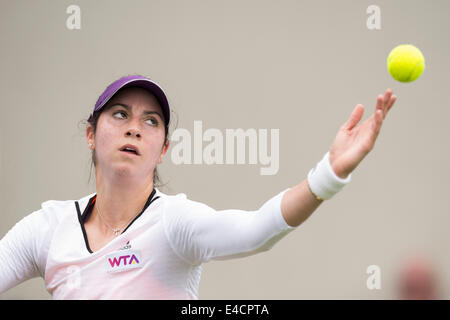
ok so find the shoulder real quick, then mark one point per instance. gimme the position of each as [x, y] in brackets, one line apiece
[60, 208]
[34, 232]
[53, 212]
[181, 204]
[182, 215]
[54, 215]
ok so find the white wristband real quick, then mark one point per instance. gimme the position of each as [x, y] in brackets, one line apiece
[323, 181]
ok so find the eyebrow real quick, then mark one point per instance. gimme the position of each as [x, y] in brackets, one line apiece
[129, 108]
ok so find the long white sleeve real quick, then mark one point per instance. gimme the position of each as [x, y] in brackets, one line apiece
[22, 249]
[199, 233]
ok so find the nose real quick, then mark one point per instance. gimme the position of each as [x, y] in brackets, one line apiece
[133, 132]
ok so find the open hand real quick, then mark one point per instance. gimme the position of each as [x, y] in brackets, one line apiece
[353, 142]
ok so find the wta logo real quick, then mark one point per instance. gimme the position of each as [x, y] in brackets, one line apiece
[123, 260]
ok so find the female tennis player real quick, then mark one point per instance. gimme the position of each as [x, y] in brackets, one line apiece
[131, 241]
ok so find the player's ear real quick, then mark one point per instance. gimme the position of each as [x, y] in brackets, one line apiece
[90, 134]
[164, 150]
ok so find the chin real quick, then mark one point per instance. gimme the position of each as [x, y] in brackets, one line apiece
[125, 169]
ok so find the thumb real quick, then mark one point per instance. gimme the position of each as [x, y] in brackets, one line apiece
[355, 117]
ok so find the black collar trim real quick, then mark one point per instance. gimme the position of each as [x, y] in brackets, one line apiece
[82, 217]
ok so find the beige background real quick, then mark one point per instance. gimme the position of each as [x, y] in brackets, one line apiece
[298, 66]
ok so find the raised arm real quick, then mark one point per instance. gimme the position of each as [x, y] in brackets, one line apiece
[198, 233]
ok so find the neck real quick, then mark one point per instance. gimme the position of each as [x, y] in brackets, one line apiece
[120, 201]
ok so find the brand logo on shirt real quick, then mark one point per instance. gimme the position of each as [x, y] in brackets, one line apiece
[123, 260]
[127, 246]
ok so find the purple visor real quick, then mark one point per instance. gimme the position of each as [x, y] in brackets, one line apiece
[134, 81]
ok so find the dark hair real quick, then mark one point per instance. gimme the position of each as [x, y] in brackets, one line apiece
[93, 122]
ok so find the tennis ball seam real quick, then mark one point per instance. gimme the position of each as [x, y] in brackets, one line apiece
[413, 69]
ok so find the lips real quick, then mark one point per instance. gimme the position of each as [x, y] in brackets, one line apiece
[130, 149]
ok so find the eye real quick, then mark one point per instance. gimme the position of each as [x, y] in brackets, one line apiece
[119, 112]
[154, 121]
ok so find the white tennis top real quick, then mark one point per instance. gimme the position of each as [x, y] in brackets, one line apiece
[158, 256]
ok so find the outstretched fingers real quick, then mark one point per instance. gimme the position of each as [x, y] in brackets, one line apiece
[383, 105]
[355, 117]
[391, 102]
[387, 96]
[380, 104]
[386, 102]
[377, 122]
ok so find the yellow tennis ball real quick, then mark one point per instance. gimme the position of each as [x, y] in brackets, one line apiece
[405, 63]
